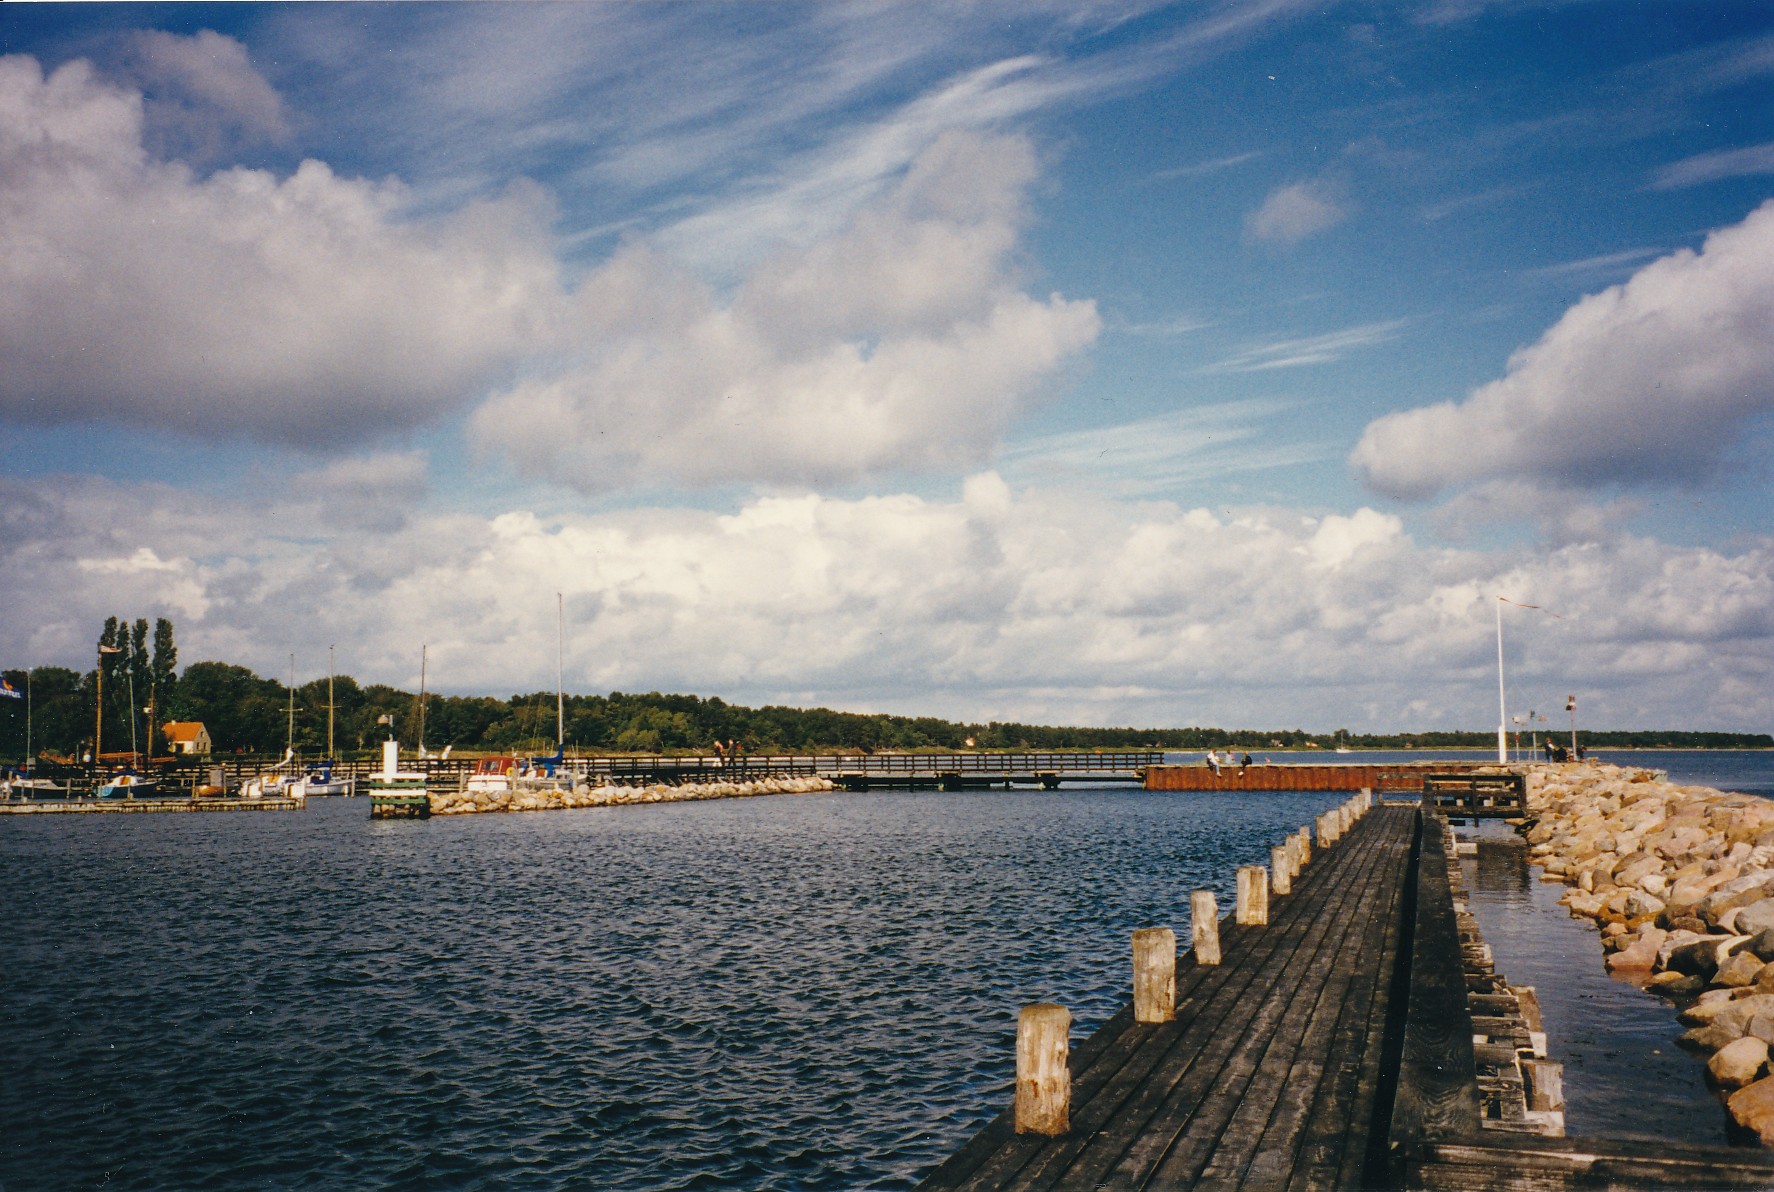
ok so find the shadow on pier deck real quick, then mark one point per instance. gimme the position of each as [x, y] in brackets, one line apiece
[1331, 1047]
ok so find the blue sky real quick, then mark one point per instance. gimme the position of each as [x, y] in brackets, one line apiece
[1149, 363]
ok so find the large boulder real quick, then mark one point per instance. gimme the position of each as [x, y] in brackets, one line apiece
[1755, 918]
[1752, 1108]
[1739, 1062]
[1641, 955]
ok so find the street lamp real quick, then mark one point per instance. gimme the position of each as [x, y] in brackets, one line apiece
[1571, 707]
[1502, 707]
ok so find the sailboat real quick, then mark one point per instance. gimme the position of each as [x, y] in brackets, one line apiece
[320, 780]
[127, 784]
[505, 772]
[25, 783]
[545, 773]
[282, 780]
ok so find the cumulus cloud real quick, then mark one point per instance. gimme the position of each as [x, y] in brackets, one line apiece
[1292, 213]
[996, 603]
[311, 309]
[1648, 382]
[901, 341]
[207, 95]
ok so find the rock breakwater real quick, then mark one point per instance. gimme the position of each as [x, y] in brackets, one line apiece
[1680, 880]
[557, 798]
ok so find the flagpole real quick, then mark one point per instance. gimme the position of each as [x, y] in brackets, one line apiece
[1502, 715]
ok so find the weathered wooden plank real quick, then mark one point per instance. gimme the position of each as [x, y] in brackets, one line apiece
[1190, 1102]
[1342, 1126]
[1316, 1081]
[1525, 1163]
[1208, 999]
[1437, 1094]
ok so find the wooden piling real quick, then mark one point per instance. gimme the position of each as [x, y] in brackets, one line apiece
[1281, 861]
[1154, 974]
[1546, 1084]
[1253, 896]
[1204, 927]
[1043, 1077]
[1305, 845]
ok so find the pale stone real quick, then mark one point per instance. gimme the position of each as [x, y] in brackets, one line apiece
[1739, 1062]
[1752, 1107]
[1755, 918]
[1741, 969]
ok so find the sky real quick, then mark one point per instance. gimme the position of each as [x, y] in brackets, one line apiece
[1213, 363]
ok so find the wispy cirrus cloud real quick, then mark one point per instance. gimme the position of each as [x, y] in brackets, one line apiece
[1309, 350]
[1165, 455]
[1217, 165]
[1711, 167]
[1599, 266]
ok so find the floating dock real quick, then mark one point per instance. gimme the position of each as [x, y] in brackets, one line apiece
[106, 806]
[1388, 779]
[1345, 1033]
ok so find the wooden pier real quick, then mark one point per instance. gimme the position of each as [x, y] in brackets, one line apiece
[1345, 1032]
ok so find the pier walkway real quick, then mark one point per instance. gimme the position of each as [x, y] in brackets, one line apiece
[1350, 1035]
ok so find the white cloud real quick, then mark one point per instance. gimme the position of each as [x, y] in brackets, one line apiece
[1292, 213]
[902, 341]
[308, 309]
[1651, 381]
[1043, 605]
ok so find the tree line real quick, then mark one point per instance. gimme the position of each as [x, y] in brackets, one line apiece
[246, 713]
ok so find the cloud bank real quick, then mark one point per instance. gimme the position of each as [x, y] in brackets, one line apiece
[1044, 605]
[1648, 382]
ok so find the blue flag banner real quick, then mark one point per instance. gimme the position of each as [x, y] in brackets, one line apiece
[8, 691]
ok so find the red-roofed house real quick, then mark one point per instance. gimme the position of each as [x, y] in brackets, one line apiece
[186, 736]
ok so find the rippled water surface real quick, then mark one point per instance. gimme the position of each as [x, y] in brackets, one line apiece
[792, 992]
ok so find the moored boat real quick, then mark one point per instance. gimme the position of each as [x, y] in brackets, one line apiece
[128, 785]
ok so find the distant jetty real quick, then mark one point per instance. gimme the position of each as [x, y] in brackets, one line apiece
[467, 802]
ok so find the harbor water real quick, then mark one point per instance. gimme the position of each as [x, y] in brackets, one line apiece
[799, 992]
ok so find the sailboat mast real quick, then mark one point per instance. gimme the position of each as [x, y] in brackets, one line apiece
[289, 744]
[329, 702]
[28, 722]
[422, 649]
[560, 670]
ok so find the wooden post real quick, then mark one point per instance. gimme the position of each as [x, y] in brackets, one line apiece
[1546, 1084]
[1282, 862]
[1043, 1081]
[1325, 831]
[1253, 896]
[1305, 845]
[1154, 974]
[1204, 927]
